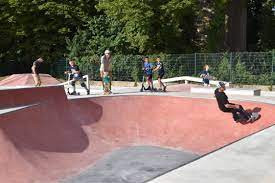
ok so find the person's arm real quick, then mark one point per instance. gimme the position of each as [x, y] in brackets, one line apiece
[77, 70]
[34, 68]
[202, 74]
[68, 71]
[232, 106]
[157, 68]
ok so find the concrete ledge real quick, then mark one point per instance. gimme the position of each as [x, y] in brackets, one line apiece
[187, 79]
[229, 91]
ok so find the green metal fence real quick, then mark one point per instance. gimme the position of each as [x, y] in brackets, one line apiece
[240, 68]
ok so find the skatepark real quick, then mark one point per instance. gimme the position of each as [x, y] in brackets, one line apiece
[129, 136]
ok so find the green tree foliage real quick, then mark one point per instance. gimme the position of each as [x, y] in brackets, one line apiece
[261, 25]
[224, 68]
[32, 28]
[154, 26]
[241, 75]
[85, 28]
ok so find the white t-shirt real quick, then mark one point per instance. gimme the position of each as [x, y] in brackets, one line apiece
[105, 65]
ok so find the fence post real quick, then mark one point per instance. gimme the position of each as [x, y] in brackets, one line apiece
[272, 69]
[272, 62]
[231, 57]
[195, 63]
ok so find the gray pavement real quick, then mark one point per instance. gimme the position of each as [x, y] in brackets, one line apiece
[134, 164]
[251, 160]
[120, 91]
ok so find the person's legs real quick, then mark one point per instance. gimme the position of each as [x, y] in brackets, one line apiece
[206, 82]
[106, 81]
[239, 113]
[37, 81]
[110, 77]
[160, 85]
[73, 84]
[243, 113]
[82, 83]
[149, 81]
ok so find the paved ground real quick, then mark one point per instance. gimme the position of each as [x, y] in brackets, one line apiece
[249, 160]
[134, 164]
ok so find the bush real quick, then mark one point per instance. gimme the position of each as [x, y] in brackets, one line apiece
[224, 68]
[241, 75]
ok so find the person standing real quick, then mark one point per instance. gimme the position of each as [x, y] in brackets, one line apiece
[148, 71]
[36, 67]
[105, 71]
[161, 73]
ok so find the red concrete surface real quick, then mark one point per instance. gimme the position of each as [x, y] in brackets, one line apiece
[27, 80]
[59, 138]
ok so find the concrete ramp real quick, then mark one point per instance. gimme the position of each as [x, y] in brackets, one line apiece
[17, 80]
[59, 138]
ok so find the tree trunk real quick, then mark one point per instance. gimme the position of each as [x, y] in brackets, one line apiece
[236, 25]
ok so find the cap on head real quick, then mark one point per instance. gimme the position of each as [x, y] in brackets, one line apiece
[221, 85]
[107, 52]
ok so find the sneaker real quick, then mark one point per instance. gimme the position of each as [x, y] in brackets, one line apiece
[164, 88]
[255, 115]
[250, 119]
[73, 93]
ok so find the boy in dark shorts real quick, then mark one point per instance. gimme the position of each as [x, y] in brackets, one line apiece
[76, 75]
[237, 110]
[36, 70]
[148, 71]
[161, 72]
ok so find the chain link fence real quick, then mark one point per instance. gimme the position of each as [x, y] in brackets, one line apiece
[239, 68]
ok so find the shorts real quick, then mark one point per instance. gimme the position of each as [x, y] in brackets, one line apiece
[206, 81]
[160, 75]
[149, 76]
[106, 79]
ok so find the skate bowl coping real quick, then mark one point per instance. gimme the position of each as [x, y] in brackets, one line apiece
[229, 91]
[186, 79]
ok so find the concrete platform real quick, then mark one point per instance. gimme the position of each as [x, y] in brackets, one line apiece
[229, 91]
[249, 160]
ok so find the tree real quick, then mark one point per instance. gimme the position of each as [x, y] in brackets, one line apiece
[38, 28]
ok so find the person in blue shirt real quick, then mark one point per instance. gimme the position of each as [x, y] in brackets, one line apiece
[205, 76]
[148, 71]
[160, 69]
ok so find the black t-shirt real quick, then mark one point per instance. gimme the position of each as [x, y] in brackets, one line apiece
[161, 68]
[222, 99]
[73, 69]
[205, 74]
[37, 65]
